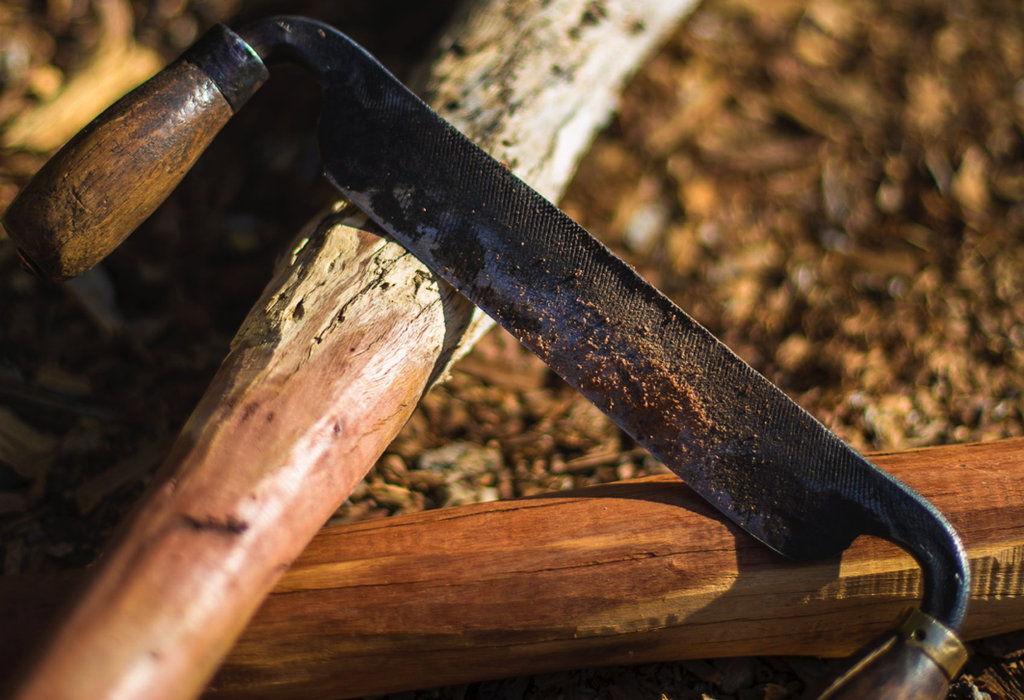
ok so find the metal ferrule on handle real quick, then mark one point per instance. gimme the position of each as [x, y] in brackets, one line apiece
[917, 661]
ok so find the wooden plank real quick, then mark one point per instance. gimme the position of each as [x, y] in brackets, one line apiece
[631, 572]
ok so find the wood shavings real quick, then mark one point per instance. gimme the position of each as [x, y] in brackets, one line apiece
[117, 66]
[846, 202]
[25, 449]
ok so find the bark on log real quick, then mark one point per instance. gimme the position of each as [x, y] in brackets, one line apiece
[328, 366]
[631, 572]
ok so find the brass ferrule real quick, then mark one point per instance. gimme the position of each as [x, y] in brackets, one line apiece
[935, 640]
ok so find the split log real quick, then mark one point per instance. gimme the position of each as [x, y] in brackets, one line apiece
[328, 366]
[632, 572]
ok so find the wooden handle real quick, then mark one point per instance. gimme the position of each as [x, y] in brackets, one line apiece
[916, 662]
[114, 173]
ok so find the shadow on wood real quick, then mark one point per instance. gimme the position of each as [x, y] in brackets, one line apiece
[631, 572]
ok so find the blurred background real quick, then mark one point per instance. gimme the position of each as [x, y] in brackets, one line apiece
[835, 189]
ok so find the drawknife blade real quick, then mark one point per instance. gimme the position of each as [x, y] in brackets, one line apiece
[728, 432]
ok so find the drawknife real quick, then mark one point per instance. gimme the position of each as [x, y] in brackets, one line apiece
[729, 433]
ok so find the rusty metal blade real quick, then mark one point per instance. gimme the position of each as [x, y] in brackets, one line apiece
[723, 428]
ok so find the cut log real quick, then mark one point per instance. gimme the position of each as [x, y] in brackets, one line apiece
[327, 368]
[631, 572]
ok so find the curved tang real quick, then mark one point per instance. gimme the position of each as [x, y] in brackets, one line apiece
[723, 428]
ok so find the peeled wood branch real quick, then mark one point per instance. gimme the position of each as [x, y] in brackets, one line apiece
[328, 366]
[632, 572]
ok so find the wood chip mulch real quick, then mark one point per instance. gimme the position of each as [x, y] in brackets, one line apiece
[836, 189]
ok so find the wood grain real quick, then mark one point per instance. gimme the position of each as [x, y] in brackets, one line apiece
[631, 572]
[325, 370]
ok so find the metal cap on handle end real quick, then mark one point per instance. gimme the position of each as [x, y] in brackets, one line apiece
[115, 172]
[231, 63]
[917, 661]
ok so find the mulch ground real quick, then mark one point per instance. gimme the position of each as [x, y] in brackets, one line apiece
[835, 189]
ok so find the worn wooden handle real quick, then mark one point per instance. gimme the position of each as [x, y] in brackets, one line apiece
[114, 173]
[915, 662]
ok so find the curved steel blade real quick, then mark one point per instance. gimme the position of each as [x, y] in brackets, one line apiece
[723, 428]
